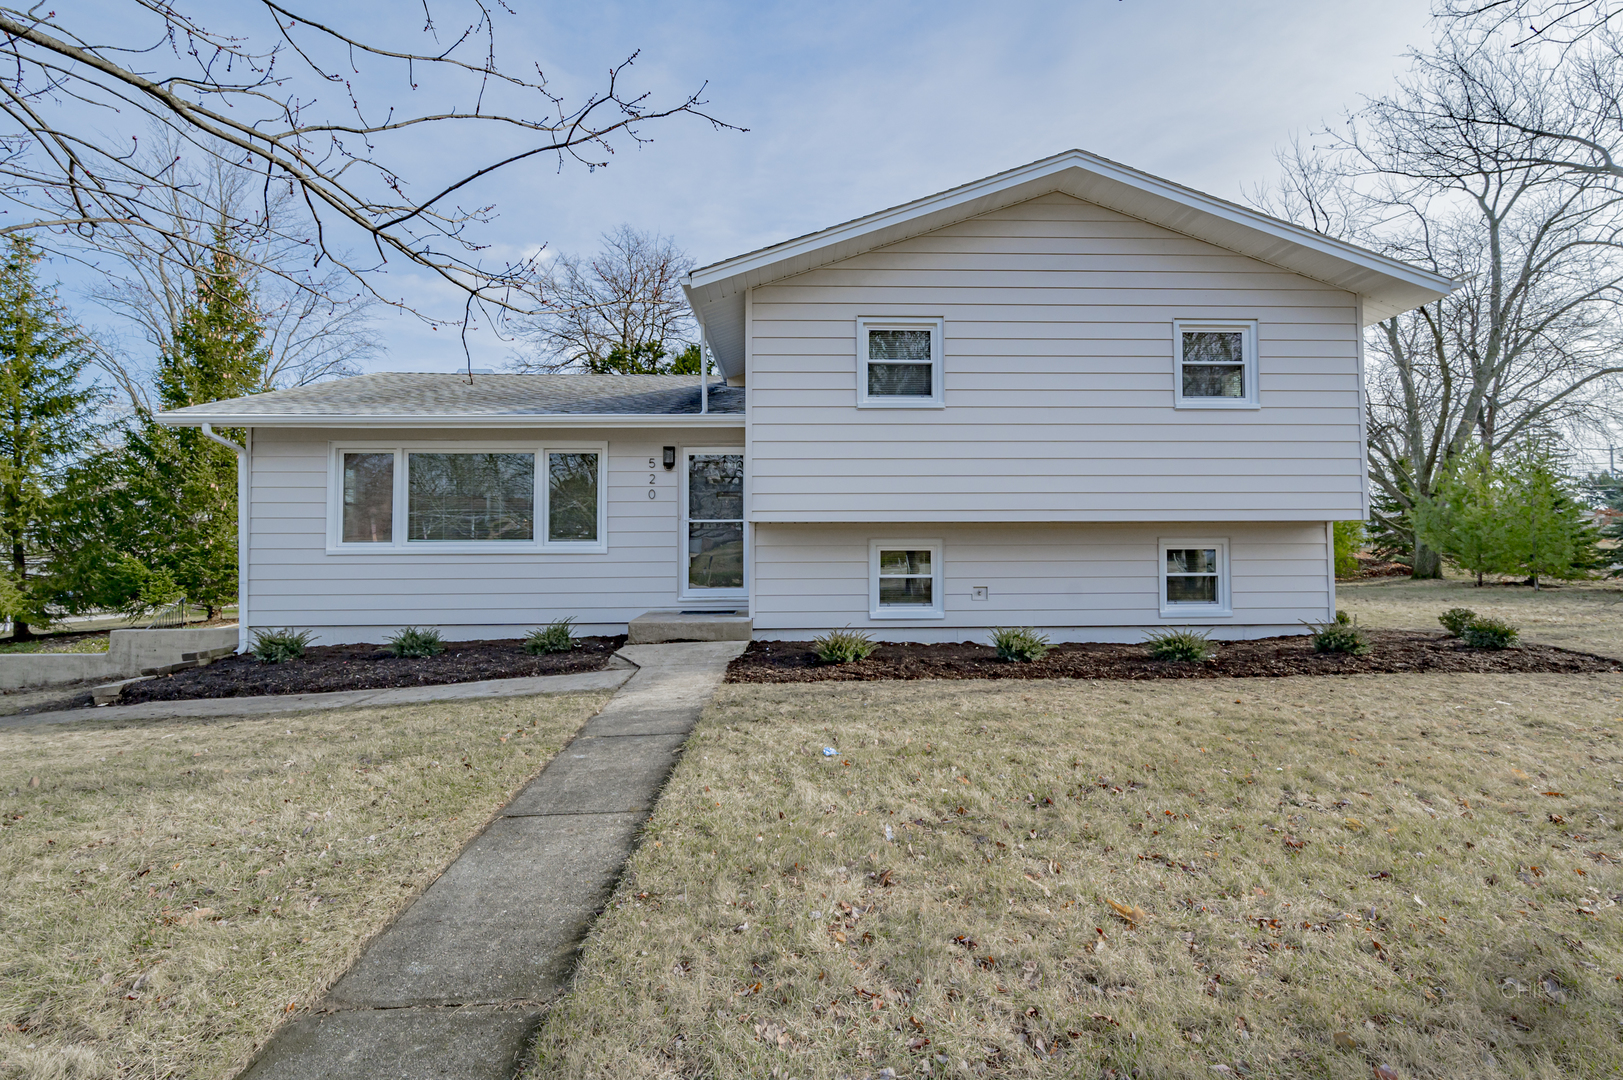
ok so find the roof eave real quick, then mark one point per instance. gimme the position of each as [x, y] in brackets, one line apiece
[463, 420]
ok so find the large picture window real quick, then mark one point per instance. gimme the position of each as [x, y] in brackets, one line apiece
[1194, 577]
[1215, 366]
[905, 579]
[899, 363]
[468, 498]
[463, 497]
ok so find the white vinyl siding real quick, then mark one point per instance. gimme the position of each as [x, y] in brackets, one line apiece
[1074, 581]
[362, 596]
[1059, 383]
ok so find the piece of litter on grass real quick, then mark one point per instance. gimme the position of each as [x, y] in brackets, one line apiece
[829, 751]
[889, 836]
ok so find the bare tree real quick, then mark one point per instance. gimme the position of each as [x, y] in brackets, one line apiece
[614, 310]
[316, 323]
[1563, 22]
[71, 166]
[1532, 341]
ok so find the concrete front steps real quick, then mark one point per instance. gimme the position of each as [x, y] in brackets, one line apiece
[659, 627]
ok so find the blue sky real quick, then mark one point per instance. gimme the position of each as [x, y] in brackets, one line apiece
[852, 107]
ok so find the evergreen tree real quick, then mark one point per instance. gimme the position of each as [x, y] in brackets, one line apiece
[1462, 520]
[1548, 531]
[178, 497]
[45, 419]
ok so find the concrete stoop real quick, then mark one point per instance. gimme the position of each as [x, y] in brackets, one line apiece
[659, 627]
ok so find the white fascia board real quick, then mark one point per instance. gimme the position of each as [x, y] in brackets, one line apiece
[705, 420]
[1388, 285]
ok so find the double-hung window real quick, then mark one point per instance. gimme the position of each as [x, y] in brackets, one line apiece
[899, 364]
[457, 497]
[1215, 365]
[1194, 578]
[905, 579]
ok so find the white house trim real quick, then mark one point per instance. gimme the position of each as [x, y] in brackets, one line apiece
[1252, 398]
[937, 397]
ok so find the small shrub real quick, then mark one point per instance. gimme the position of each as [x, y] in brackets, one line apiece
[843, 646]
[1342, 618]
[1456, 619]
[275, 646]
[1341, 636]
[1485, 633]
[1019, 646]
[1185, 645]
[415, 643]
[556, 636]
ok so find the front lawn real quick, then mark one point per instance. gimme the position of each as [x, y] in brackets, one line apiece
[1582, 615]
[172, 891]
[1302, 877]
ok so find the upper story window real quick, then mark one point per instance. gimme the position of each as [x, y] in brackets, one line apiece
[1216, 365]
[899, 363]
[468, 498]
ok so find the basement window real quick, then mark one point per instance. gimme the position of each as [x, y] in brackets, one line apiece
[1194, 578]
[905, 579]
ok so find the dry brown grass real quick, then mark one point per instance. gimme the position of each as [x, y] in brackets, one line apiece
[1582, 615]
[173, 890]
[1427, 865]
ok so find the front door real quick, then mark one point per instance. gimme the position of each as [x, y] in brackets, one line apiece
[713, 524]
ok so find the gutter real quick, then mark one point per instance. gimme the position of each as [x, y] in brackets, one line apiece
[242, 530]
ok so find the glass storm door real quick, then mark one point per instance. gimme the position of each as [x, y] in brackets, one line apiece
[713, 524]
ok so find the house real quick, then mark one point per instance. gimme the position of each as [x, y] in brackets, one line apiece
[1070, 396]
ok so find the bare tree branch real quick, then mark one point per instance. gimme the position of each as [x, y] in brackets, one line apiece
[259, 110]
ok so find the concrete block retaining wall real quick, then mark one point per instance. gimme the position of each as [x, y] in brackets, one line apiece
[129, 653]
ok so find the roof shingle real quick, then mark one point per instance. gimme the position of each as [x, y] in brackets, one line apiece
[407, 395]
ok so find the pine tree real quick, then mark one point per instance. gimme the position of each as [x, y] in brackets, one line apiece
[45, 419]
[179, 514]
[1463, 519]
[1548, 531]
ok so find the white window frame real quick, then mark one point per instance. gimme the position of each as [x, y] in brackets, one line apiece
[938, 382]
[401, 546]
[936, 610]
[684, 590]
[1252, 398]
[1186, 610]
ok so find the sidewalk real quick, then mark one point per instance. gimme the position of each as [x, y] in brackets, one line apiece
[610, 677]
[455, 986]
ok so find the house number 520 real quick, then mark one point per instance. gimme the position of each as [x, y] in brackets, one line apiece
[651, 479]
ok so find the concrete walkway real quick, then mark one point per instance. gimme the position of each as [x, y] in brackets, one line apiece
[455, 986]
[610, 677]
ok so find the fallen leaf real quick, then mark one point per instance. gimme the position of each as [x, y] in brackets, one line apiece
[1352, 823]
[1386, 1072]
[1294, 843]
[1133, 915]
[1553, 794]
[838, 936]
[1518, 774]
[917, 1043]
[1345, 1040]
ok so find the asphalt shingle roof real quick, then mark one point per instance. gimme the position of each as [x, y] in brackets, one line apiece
[433, 395]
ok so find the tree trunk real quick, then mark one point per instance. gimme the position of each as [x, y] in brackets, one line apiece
[1428, 563]
[19, 566]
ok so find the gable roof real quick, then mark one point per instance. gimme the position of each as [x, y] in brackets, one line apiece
[1388, 286]
[417, 399]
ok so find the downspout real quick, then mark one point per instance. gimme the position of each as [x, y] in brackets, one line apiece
[704, 378]
[242, 532]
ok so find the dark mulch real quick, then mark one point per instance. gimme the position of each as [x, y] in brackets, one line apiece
[367, 667]
[1395, 651]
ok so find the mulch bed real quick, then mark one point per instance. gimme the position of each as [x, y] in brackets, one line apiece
[1395, 651]
[367, 667]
